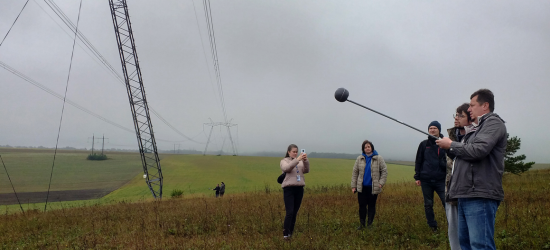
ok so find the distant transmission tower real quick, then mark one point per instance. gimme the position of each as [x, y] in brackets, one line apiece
[227, 125]
[102, 143]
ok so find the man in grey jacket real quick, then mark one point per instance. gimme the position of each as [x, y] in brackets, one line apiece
[476, 179]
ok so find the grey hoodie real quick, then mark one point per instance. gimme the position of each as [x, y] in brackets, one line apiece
[479, 162]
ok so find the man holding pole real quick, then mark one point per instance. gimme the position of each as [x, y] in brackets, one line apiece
[476, 181]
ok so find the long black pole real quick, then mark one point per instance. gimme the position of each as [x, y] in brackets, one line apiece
[393, 119]
[342, 94]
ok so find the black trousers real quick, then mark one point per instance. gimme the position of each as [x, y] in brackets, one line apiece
[293, 199]
[367, 199]
[428, 189]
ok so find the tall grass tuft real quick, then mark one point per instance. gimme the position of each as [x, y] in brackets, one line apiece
[176, 193]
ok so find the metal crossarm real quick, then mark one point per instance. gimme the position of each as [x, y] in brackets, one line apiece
[136, 95]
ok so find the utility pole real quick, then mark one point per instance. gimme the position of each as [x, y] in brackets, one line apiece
[93, 142]
[103, 143]
[175, 147]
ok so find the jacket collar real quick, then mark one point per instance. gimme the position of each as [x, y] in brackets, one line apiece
[482, 118]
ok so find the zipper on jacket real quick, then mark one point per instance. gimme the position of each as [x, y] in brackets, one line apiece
[371, 178]
[473, 183]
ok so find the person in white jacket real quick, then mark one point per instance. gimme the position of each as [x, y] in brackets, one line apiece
[295, 166]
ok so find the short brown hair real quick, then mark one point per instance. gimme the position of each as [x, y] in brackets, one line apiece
[363, 146]
[464, 108]
[483, 96]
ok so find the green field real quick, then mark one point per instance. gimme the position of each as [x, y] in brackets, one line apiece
[197, 174]
[30, 170]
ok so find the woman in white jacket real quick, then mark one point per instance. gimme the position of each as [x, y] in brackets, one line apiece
[295, 166]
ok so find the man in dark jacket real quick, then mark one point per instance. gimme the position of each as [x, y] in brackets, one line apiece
[476, 180]
[222, 189]
[430, 171]
[217, 189]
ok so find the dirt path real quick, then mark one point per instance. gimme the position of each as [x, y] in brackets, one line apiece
[66, 195]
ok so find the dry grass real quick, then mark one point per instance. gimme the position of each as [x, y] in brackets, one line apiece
[253, 220]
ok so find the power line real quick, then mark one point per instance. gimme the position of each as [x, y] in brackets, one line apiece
[70, 36]
[173, 128]
[11, 184]
[59, 96]
[76, 105]
[59, 12]
[101, 59]
[204, 50]
[214, 52]
[14, 23]
[82, 38]
[63, 108]
[97, 54]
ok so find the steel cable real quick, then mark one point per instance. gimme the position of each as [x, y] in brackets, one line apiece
[63, 107]
[14, 23]
[12, 185]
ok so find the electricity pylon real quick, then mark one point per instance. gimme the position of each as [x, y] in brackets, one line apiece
[136, 95]
[227, 125]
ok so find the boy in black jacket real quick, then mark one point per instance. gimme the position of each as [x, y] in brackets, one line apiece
[430, 171]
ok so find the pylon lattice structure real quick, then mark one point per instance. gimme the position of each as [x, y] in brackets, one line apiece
[227, 125]
[136, 95]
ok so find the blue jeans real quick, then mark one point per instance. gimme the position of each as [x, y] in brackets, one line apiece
[476, 223]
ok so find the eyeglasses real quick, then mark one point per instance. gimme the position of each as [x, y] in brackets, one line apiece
[458, 116]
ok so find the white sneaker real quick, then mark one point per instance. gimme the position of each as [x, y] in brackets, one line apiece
[286, 237]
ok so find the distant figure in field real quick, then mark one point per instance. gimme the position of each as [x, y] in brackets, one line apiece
[222, 189]
[430, 171]
[367, 179]
[217, 188]
[461, 120]
[295, 166]
[476, 180]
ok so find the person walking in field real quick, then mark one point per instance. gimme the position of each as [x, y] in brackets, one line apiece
[367, 179]
[222, 189]
[461, 120]
[430, 172]
[295, 166]
[217, 189]
[476, 180]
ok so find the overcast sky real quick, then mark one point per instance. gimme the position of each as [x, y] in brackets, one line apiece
[280, 63]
